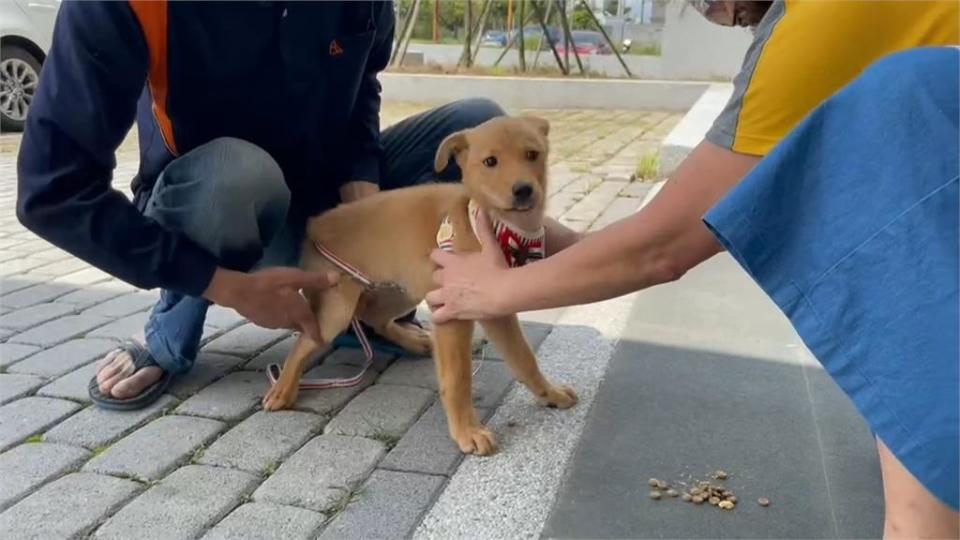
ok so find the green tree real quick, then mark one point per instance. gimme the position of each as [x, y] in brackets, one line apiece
[581, 20]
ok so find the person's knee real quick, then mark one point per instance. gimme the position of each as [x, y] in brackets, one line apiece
[471, 112]
[249, 174]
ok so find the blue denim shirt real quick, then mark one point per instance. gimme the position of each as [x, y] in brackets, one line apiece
[298, 79]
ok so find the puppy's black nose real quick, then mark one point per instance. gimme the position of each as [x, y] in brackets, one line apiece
[522, 192]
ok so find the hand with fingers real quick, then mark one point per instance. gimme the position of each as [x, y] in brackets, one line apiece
[271, 297]
[468, 283]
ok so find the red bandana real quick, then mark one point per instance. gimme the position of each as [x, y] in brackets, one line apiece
[518, 247]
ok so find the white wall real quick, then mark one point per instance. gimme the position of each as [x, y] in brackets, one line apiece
[694, 48]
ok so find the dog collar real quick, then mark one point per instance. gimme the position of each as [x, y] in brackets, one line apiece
[517, 246]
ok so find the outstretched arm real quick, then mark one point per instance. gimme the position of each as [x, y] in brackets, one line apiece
[656, 245]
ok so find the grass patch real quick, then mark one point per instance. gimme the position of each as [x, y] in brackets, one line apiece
[647, 49]
[100, 450]
[38, 438]
[649, 166]
[388, 439]
[341, 504]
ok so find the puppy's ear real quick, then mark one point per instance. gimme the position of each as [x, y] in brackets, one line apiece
[452, 146]
[540, 124]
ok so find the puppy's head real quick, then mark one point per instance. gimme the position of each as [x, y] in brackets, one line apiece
[504, 164]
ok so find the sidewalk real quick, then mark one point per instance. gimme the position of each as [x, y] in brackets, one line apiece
[364, 462]
[709, 376]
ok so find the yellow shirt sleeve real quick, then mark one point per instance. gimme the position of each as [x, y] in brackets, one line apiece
[806, 50]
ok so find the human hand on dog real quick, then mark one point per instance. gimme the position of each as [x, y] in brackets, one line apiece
[469, 284]
[271, 298]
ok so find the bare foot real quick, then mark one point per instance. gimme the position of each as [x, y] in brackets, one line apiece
[116, 376]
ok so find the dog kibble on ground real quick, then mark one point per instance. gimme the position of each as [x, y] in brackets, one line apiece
[714, 501]
[655, 495]
[720, 475]
[726, 505]
[686, 497]
[673, 493]
[653, 482]
[763, 501]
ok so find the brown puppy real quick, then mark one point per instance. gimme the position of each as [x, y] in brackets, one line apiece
[389, 237]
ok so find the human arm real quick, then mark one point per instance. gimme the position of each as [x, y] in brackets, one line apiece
[362, 175]
[658, 244]
[84, 107]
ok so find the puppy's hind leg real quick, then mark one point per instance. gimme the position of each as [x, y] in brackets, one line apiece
[334, 308]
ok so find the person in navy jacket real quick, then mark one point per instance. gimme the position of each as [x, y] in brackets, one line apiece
[251, 117]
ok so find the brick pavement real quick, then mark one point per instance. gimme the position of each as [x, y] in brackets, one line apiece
[347, 463]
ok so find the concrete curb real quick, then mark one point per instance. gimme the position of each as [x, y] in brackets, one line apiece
[545, 93]
[510, 494]
[693, 127]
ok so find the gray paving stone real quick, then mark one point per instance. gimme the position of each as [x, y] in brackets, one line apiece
[155, 449]
[276, 354]
[95, 294]
[73, 385]
[6, 333]
[256, 521]
[126, 304]
[67, 508]
[223, 317]
[31, 415]
[63, 358]
[82, 278]
[60, 330]
[535, 332]
[58, 268]
[321, 473]
[35, 294]
[182, 506]
[419, 372]
[25, 318]
[15, 282]
[258, 443]
[14, 352]
[122, 329]
[208, 368]
[231, 398]
[246, 340]
[328, 401]
[20, 264]
[390, 505]
[29, 466]
[95, 427]
[427, 447]
[13, 386]
[381, 411]
[491, 379]
[636, 190]
[620, 208]
[595, 202]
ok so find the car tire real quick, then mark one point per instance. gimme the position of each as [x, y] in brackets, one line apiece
[19, 74]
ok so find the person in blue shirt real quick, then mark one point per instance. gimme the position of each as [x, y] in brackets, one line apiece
[251, 117]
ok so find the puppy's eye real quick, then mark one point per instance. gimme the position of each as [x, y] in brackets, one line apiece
[490, 161]
[532, 155]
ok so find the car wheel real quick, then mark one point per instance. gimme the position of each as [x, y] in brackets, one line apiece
[19, 74]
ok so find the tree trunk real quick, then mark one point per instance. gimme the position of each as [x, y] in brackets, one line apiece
[407, 33]
[616, 50]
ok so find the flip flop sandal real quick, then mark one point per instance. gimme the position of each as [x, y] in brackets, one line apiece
[141, 358]
[349, 339]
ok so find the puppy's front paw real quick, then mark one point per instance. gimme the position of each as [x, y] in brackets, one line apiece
[476, 440]
[561, 397]
[280, 397]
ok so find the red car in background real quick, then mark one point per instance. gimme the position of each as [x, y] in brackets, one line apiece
[586, 43]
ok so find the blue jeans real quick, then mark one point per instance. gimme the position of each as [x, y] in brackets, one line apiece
[229, 196]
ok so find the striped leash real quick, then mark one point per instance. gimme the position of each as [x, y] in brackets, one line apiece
[273, 370]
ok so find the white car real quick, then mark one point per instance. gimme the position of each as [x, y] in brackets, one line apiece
[26, 29]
